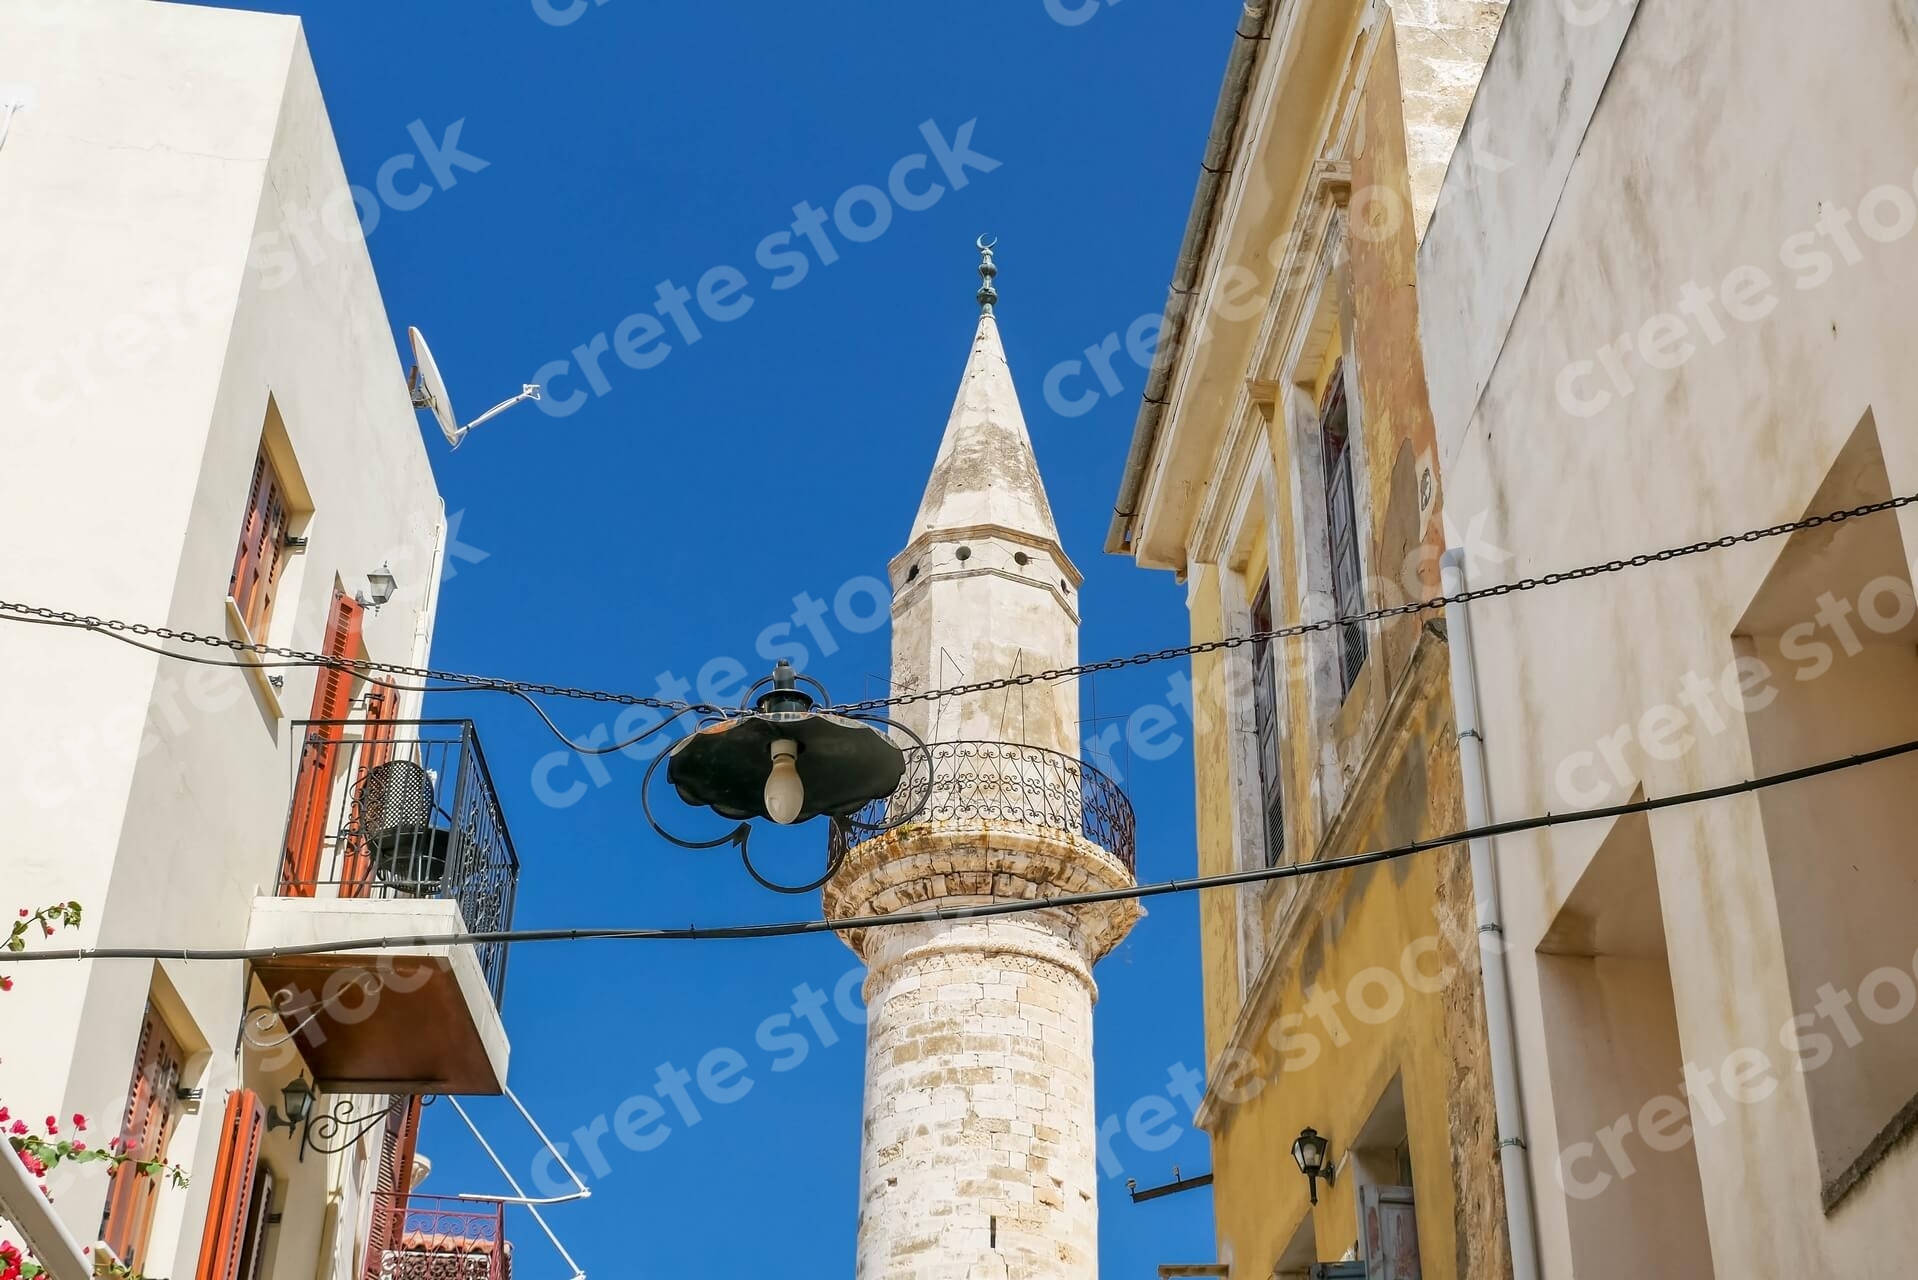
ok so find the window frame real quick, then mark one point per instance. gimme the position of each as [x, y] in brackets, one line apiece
[1268, 728]
[1344, 548]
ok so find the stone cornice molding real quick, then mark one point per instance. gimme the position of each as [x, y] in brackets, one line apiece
[958, 864]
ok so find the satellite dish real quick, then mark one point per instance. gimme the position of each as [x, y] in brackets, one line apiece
[429, 392]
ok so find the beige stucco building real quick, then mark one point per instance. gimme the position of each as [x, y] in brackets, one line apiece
[1684, 311]
[204, 425]
[980, 1158]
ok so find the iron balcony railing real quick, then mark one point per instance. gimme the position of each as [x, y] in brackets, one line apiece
[402, 809]
[1002, 782]
[435, 1238]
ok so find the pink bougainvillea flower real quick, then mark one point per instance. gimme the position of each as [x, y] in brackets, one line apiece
[19, 1126]
[79, 1122]
[6, 984]
[53, 1124]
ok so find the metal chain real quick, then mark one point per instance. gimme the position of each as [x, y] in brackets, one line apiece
[366, 666]
[1411, 607]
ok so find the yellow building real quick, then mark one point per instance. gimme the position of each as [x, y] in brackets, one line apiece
[1284, 466]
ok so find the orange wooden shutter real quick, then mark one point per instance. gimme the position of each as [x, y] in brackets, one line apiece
[145, 1132]
[262, 550]
[240, 585]
[393, 1179]
[382, 705]
[319, 759]
[227, 1213]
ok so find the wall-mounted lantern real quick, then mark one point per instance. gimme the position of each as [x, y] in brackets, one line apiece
[380, 587]
[1310, 1153]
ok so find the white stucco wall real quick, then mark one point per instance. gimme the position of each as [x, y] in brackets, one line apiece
[138, 351]
[1654, 146]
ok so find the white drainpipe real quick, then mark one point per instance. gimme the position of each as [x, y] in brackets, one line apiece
[423, 621]
[1514, 1157]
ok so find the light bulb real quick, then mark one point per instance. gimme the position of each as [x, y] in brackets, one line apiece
[785, 793]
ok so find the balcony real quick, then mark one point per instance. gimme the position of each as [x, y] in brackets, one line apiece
[1004, 782]
[434, 1238]
[395, 832]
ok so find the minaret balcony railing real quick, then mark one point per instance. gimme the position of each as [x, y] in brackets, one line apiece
[1001, 782]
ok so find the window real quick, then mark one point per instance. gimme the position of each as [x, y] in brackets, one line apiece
[1637, 1203]
[1265, 715]
[1835, 625]
[233, 1247]
[146, 1130]
[262, 551]
[259, 1217]
[393, 1180]
[1341, 525]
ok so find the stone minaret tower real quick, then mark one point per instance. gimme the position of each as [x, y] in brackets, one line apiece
[980, 1154]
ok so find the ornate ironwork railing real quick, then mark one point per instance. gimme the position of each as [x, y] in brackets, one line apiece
[402, 809]
[434, 1238]
[1005, 782]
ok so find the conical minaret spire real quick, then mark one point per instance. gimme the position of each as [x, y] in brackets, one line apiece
[985, 472]
[983, 588]
[980, 1139]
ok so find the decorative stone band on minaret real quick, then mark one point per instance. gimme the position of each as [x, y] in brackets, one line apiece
[980, 1155]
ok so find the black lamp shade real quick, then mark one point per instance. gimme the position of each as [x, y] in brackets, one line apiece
[842, 763]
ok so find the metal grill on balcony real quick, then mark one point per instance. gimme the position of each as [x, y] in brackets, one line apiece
[1003, 782]
[402, 809]
[434, 1238]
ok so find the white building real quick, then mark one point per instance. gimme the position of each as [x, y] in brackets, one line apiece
[204, 424]
[979, 1155]
[1684, 311]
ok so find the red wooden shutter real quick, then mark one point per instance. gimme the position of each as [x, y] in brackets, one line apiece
[245, 564]
[319, 759]
[145, 1131]
[262, 550]
[229, 1211]
[393, 1179]
[382, 705]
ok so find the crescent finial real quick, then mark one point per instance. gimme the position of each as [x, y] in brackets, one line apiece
[987, 295]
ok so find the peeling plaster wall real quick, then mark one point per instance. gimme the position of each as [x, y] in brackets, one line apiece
[1656, 146]
[1373, 766]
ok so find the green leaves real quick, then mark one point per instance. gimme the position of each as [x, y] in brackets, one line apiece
[65, 915]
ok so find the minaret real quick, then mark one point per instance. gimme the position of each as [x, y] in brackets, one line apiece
[980, 1154]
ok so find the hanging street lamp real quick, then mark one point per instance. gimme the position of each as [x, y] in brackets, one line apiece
[787, 762]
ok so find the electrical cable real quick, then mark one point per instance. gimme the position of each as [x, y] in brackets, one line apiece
[795, 928]
[13, 611]
[345, 664]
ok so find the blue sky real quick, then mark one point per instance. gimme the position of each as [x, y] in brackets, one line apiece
[671, 520]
